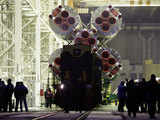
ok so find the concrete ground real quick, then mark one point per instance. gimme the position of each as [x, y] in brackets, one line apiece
[103, 112]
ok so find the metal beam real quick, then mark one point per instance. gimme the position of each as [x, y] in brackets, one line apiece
[137, 27]
[29, 75]
[44, 37]
[143, 44]
[37, 54]
[18, 39]
[6, 50]
[42, 20]
[28, 46]
[7, 66]
[6, 28]
[25, 25]
[2, 1]
[6, 12]
[30, 4]
[124, 3]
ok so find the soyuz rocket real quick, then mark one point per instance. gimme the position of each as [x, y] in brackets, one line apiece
[105, 23]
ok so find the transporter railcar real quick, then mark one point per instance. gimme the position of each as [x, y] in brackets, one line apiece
[80, 87]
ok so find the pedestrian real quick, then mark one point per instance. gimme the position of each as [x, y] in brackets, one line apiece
[20, 93]
[23, 97]
[158, 100]
[2, 96]
[9, 93]
[152, 88]
[138, 94]
[142, 92]
[121, 96]
[126, 81]
[132, 101]
[48, 97]
[17, 94]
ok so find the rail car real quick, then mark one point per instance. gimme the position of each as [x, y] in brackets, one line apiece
[80, 87]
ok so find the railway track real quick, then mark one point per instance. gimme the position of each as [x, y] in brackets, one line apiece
[82, 116]
[58, 116]
[55, 115]
[47, 115]
[6, 115]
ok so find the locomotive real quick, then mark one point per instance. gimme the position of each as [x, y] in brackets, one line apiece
[82, 63]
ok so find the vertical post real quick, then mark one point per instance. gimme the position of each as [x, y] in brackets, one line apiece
[150, 46]
[50, 52]
[51, 43]
[144, 49]
[149, 49]
[62, 2]
[18, 40]
[141, 37]
[37, 55]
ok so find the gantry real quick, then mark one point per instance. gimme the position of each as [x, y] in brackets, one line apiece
[26, 41]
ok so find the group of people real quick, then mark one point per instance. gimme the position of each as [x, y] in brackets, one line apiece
[6, 91]
[139, 96]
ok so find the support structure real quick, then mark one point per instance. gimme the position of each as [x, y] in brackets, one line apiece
[25, 38]
[37, 54]
[18, 41]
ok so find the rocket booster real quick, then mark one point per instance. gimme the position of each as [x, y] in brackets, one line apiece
[107, 21]
[63, 20]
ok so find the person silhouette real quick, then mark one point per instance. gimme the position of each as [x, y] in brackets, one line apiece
[9, 93]
[121, 96]
[20, 92]
[132, 101]
[152, 88]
